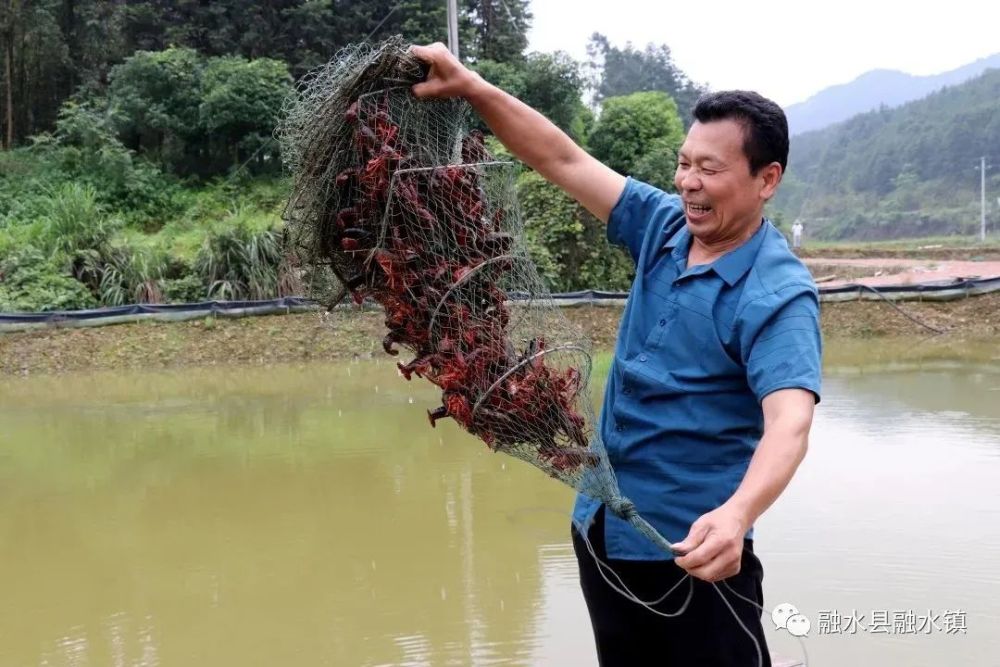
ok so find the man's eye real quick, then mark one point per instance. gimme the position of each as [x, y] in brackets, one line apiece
[708, 172]
[683, 165]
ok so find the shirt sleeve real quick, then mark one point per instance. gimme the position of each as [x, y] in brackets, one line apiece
[630, 218]
[782, 341]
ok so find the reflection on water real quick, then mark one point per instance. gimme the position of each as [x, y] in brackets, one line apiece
[311, 516]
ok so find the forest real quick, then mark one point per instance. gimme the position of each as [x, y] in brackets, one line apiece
[138, 162]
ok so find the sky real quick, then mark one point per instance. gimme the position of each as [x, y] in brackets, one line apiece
[786, 50]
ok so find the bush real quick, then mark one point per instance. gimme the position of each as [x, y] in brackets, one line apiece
[199, 116]
[30, 283]
[240, 263]
[26, 176]
[239, 106]
[87, 150]
[568, 244]
[130, 275]
[189, 289]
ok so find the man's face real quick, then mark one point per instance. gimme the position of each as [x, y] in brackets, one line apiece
[722, 201]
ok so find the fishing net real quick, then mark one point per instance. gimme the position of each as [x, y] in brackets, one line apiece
[396, 201]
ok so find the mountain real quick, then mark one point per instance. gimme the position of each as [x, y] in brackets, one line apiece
[903, 172]
[874, 89]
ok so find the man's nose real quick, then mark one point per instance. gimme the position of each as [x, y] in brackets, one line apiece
[689, 181]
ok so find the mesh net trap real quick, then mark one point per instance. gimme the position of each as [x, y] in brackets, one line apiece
[397, 201]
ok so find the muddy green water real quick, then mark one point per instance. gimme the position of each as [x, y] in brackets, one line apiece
[310, 516]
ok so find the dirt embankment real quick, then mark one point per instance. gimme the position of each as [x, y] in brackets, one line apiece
[975, 253]
[344, 335]
[832, 271]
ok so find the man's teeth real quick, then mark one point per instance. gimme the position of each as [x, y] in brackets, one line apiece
[694, 208]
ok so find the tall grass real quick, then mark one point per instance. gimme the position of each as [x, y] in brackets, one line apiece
[73, 221]
[241, 263]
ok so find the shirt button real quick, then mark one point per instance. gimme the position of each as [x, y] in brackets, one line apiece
[663, 323]
[642, 357]
[627, 390]
[619, 428]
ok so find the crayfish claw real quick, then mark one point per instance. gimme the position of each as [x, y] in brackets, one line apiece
[387, 344]
[439, 413]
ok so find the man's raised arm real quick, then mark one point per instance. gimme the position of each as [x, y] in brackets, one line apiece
[527, 134]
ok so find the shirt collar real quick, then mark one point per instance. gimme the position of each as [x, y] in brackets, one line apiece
[730, 267]
[678, 239]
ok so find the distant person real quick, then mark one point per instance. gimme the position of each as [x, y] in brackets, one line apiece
[711, 389]
[797, 235]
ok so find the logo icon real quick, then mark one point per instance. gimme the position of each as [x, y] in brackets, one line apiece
[786, 616]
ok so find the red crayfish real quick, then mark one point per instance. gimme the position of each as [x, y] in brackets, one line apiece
[428, 245]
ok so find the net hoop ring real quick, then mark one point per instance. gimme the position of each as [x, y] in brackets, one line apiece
[584, 372]
[472, 273]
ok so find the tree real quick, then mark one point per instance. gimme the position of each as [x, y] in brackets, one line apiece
[7, 38]
[251, 29]
[621, 71]
[638, 132]
[240, 103]
[198, 115]
[315, 30]
[35, 66]
[548, 82]
[658, 165]
[52, 49]
[495, 30]
[156, 97]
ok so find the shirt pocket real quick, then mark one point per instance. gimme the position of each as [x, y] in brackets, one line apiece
[687, 351]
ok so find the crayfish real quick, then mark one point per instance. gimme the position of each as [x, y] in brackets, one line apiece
[430, 247]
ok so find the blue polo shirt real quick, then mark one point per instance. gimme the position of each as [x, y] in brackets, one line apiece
[698, 350]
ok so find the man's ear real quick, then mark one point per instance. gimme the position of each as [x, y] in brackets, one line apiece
[771, 174]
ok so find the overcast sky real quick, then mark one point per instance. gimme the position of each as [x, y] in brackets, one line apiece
[784, 49]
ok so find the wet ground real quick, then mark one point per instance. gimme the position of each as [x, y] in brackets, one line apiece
[897, 271]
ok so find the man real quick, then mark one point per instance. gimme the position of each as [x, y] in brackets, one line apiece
[710, 396]
[797, 235]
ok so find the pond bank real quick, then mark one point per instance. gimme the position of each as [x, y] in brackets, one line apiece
[349, 334]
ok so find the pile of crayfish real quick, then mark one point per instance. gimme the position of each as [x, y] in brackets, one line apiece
[425, 243]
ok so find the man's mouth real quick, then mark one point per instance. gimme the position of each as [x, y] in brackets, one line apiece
[697, 210]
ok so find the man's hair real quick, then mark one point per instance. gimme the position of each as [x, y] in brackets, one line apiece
[765, 128]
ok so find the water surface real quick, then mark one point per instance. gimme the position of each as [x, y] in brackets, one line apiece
[310, 516]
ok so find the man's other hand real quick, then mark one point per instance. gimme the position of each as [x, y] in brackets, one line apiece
[713, 548]
[447, 77]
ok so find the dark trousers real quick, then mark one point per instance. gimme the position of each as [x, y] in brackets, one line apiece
[705, 635]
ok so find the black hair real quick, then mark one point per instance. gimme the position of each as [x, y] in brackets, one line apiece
[765, 128]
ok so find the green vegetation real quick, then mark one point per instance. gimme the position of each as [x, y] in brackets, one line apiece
[639, 134]
[139, 163]
[85, 221]
[899, 173]
[549, 82]
[910, 244]
[622, 71]
[567, 243]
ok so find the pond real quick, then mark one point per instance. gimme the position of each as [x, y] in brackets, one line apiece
[310, 516]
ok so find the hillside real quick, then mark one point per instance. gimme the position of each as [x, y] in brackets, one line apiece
[875, 89]
[904, 172]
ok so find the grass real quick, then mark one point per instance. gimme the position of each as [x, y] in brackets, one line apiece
[992, 242]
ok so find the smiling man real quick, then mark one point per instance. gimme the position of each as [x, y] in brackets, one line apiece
[716, 371]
